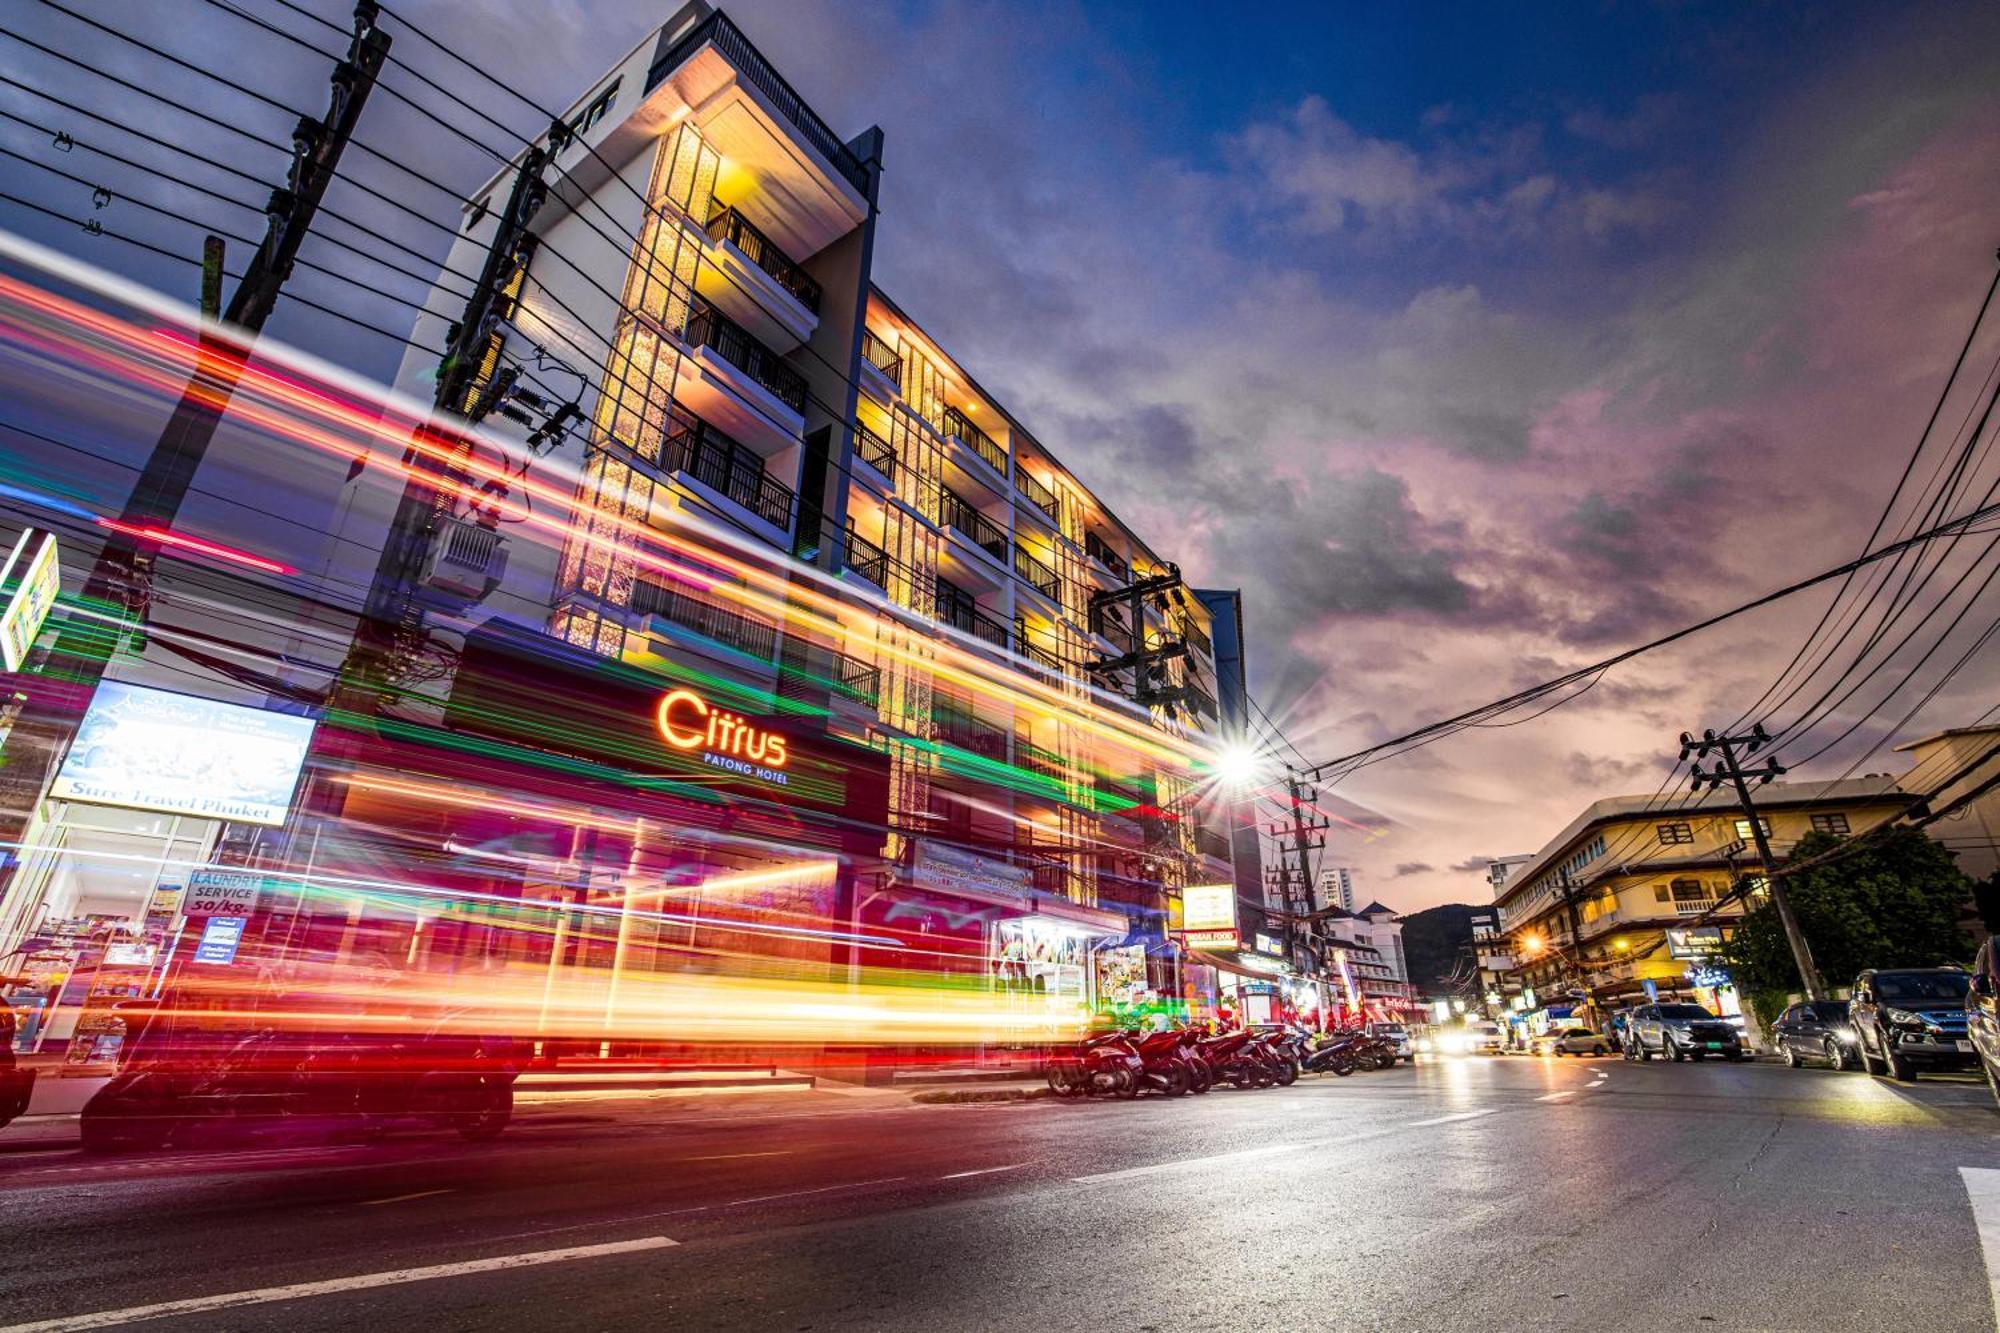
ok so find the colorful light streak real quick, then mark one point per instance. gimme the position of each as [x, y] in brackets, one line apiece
[159, 536]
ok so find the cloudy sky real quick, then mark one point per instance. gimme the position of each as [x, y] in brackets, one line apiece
[1473, 342]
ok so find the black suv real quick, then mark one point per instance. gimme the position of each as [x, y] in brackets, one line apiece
[1680, 1032]
[1912, 1020]
[1815, 1030]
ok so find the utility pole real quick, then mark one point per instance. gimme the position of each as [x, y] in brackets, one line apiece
[1143, 658]
[120, 581]
[392, 620]
[1730, 770]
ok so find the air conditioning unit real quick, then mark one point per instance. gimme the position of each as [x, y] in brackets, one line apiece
[464, 560]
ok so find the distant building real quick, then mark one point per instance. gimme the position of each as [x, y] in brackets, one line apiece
[1972, 834]
[1336, 888]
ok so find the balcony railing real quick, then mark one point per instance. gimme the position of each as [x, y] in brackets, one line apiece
[955, 608]
[1037, 760]
[847, 675]
[875, 451]
[881, 356]
[1693, 906]
[729, 225]
[710, 328]
[955, 511]
[984, 445]
[1038, 495]
[1098, 549]
[1202, 702]
[720, 463]
[750, 63]
[733, 629]
[1039, 576]
[1034, 652]
[970, 733]
[1196, 639]
[867, 559]
[1103, 622]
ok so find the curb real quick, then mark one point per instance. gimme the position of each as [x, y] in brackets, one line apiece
[960, 1096]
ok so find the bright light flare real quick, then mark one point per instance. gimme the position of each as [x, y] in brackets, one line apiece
[200, 546]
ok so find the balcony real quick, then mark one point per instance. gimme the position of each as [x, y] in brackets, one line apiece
[1037, 575]
[955, 607]
[740, 384]
[875, 451]
[1099, 550]
[694, 447]
[955, 511]
[1034, 652]
[1037, 760]
[750, 64]
[1040, 496]
[1198, 641]
[729, 225]
[1106, 624]
[867, 559]
[1201, 702]
[958, 427]
[969, 733]
[881, 366]
[1693, 906]
[845, 675]
[720, 624]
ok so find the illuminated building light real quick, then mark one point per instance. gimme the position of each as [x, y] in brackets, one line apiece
[181, 541]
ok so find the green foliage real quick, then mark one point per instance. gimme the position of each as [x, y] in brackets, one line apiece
[1894, 904]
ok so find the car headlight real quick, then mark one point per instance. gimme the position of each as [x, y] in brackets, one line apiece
[1904, 1018]
[1678, 1025]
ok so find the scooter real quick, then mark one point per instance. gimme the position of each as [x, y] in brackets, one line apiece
[1166, 1067]
[1104, 1065]
[1238, 1058]
[1338, 1054]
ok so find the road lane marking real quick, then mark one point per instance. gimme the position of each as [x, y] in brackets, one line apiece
[402, 1198]
[1557, 1096]
[1179, 1163]
[792, 1194]
[1434, 1120]
[333, 1286]
[1982, 1187]
[982, 1171]
[731, 1156]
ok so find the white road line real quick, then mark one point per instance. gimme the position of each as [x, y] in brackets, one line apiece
[982, 1171]
[1178, 1164]
[1982, 1187]
[791, 1194]
[332, 1286]
[1434, 1120]
[1557, 1096]
[401, 1198]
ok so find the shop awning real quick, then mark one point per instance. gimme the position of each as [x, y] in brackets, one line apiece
[1243, 963]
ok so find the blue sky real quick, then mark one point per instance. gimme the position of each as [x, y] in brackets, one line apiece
[1472, 341]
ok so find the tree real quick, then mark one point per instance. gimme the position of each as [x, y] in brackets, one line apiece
[1895, 902]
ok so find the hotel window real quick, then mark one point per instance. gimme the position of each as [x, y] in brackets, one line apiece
[1673, 833]
[1833, 823]
[1743, 828]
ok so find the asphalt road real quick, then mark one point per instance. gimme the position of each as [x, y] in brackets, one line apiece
[1479, 1193]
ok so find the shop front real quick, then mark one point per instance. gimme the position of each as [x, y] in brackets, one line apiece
[112, 889]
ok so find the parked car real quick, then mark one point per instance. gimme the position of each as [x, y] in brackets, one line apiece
[1911, 1020]
[1680, 1032]
[1982, 1014]
[1398, 1036]
[1572, 1041]
[1817, 1030]
[16, 1083]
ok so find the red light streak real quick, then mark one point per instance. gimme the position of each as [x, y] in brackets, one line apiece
[181, 541]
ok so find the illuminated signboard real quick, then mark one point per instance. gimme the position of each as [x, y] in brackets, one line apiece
[1693, 941]
[1208, 907]
[31, 599]
[153, 750]
[1212, 939]
[725, 740]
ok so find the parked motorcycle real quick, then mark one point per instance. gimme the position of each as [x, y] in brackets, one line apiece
[1238, 1058]
[1337, 1053]
[1104, 1065]
[1285, 1048]
[1165, 1065]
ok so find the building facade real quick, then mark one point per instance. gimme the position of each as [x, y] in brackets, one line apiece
[1605, 915]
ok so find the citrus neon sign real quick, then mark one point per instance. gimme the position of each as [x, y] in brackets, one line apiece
[690, 722]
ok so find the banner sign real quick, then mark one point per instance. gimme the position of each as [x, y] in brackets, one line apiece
[222, 893]
[1694, 941]
[947, 869]
[148, 749]
[1208, 907]
[31, 598]
[220, 940]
